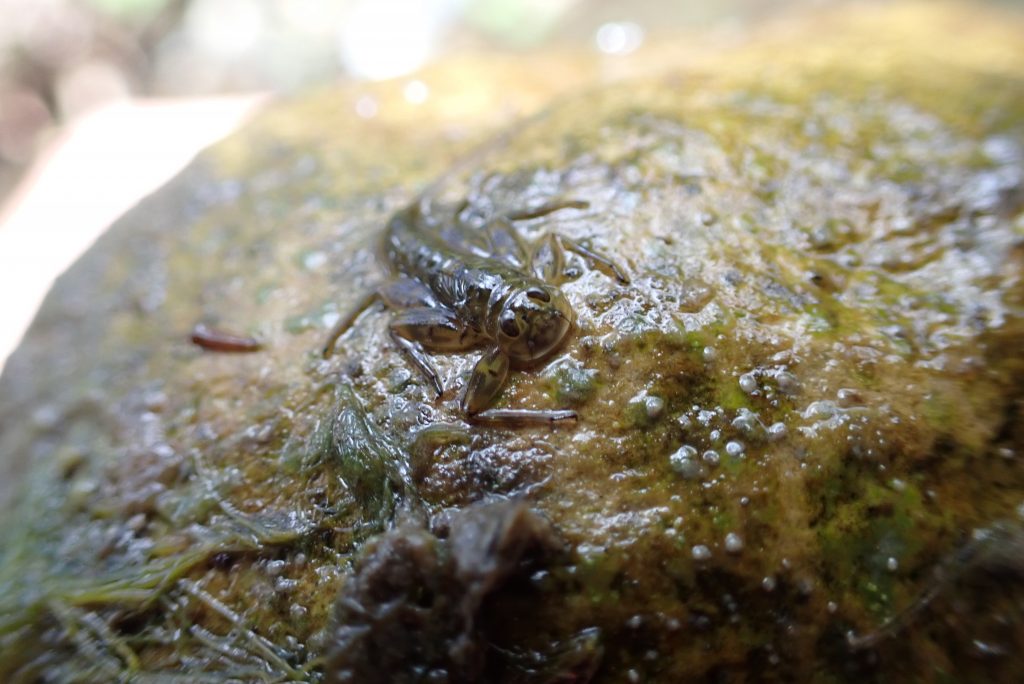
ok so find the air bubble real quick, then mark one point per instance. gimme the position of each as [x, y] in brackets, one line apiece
[820, 409]
[734, 449]
[685, 463]
[748, 423]
[654, 406]
[787, 382]
[700, 552]
[748, 383]
[733, 543]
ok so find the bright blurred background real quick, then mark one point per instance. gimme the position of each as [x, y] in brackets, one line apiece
[60, 59]
[101, 101]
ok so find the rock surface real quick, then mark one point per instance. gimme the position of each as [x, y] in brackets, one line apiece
[806, 400]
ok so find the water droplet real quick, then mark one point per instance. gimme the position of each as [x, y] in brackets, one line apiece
[684, 462]
[709, 354]
[654, 406]
[733, 543]
[285, 585]
[777, 431]
[711, 457]
[768, 583]
[787, 382]
[748, 423]
[734, 449]
[892, 565]
[748, 383]
[700, 552]
[820, 409]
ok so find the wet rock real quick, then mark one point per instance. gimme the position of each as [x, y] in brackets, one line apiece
[842, 233]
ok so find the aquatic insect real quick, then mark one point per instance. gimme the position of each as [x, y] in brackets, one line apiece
[457, 287]
[218, 340]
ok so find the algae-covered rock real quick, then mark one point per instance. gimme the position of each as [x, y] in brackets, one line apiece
[800, 423]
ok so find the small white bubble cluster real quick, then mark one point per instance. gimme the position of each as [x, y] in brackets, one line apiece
[684, 462]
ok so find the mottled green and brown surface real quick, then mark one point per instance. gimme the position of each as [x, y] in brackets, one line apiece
[825, 231]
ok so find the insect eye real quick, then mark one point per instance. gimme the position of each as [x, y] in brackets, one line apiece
[508, 325]
[538, 294]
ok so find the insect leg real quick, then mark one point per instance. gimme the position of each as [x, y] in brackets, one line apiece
[547, 261]
[485, 382]
[522, 417]
[416, 356]
[433, 328]
[598, 260]
[505, 243]
[546, 208]
[406, 293]
[342, 326]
